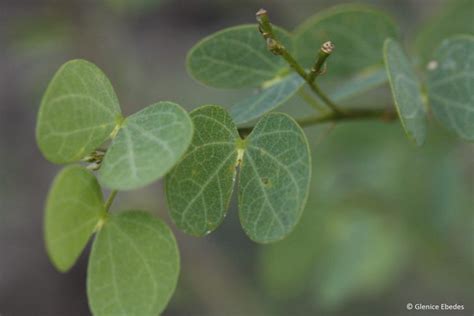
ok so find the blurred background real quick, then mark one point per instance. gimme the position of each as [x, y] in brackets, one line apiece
[386, 223]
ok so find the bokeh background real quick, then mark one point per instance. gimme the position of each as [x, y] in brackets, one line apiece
[386, 223]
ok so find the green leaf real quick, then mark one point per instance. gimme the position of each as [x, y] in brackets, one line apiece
[148, 145]
[199, 188]
[133, 267]
[274, 178]
[357, 31]
[78, 112]
[359, 84]
[73, 209]
[236, 57]
[406, 91]
[266, 100]
[451, 85]
[455, 17]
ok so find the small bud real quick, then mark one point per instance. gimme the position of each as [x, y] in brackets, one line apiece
[271, 43]
[432, 65]
[263, 21]
[327, 47]
[94, 166]
[273, 46]
[261, 12]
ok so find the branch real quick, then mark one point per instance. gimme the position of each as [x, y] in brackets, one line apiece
[385, 115]
[110, 200]
[277, 48]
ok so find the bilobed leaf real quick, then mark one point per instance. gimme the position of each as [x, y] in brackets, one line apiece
[148, 145]
[236, 57]
[406, 91]
[77, 114]
[454, 17]
[358, 33]
[266, 100]
[199, 188]
[73, 209]
[359, 84]
[133, 267]
[451, 85]
[274, 178]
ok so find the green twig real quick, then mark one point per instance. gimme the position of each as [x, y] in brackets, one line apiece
[110, 200]
[349, 115]
[324, 53]
[277, 48]
[311, 100]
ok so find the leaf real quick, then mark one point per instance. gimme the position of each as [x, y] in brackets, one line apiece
[78, 112]
[148, 145]
[406, 91]
[359, 84]
[236, 57]
[455, 17]
[274, 178]
[358, 33]
[199, 188]
[266, 100]
[133, 267]
[451, 85]
[73, 209]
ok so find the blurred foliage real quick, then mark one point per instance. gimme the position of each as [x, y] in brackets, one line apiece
[454, 17]
[132, 7]
[376, 204]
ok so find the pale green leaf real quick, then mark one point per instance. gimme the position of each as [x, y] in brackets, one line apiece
[406, 91]
[148, 145]
[359, 84]
[199, 188]
[266, 100]
[73, 209]
[451, 85]
[454, 17]
[274, 178]
[358, 33]
[133, 267]
[78, 112]
[236, 57]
